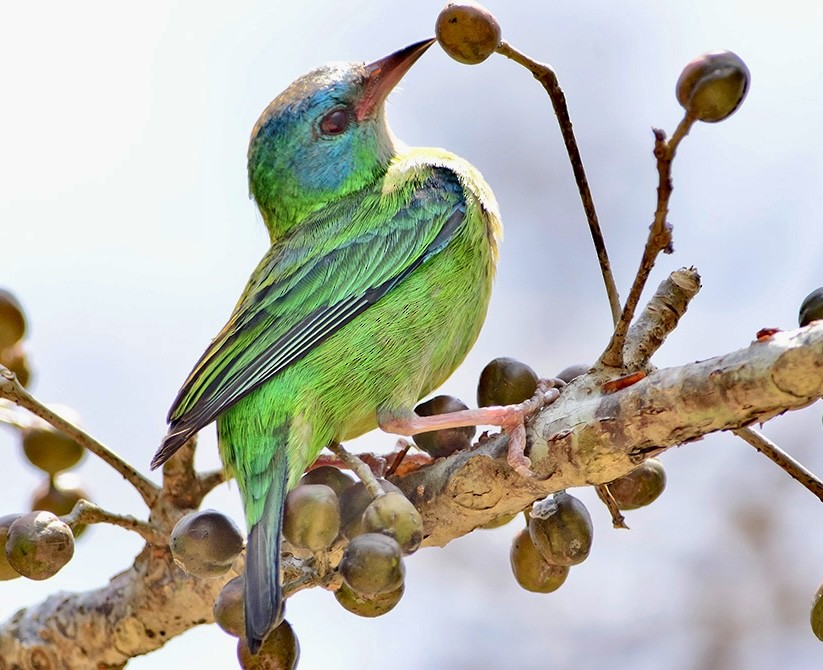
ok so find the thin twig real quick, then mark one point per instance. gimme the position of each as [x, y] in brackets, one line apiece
[398, 459]
[660, 239]
[86, 512]
[618, 520]
[775, 454]
[211, 480]
[547, 77]
[12, 390]
[359, 468]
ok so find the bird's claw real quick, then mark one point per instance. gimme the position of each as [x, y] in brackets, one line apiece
[547, 392]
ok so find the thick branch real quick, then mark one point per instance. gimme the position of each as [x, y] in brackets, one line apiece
[137, 612]
[588, 438]
[584, 438]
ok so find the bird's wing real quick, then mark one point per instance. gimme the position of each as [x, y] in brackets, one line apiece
[312, 283]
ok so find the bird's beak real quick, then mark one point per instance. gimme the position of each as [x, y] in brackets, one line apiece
[382, 76]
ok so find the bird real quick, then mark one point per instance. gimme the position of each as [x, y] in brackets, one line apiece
[374, 288]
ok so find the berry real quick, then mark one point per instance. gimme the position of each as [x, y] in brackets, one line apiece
[312, 517]
[561, 528]
[640, 487]
[440, 443]
[368, 605]
[467, 32]
[505, 381]
[713, 86]
[39, 545]
[372, 563]
[531, 570]
[279, 651]
[393, 515]
[812, 307]
[205, 543]
[228, 608]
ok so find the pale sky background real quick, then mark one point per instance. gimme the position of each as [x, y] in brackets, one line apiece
[127, 233]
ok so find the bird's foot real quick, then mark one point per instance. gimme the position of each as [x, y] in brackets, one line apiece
[511, 418]
[548, 390]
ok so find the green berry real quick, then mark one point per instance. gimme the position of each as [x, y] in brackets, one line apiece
[561, 528]
[279, 651]
[817, 613]
[440, 443]
[6, 571]
[812, 307]
[12, 320]
[354, 501]
[499, 521]
[47, 448]
[312, 517]
[368, 605]
[531, 570]
[59, 495]
[39, 545]
[640, 487]
[228, 609]
[573, 371]
[713, 86]
[395, 516]
[205, 543]
[14, 358]
[329, 475]
[467, 32]
[505, 381]
[372, 563]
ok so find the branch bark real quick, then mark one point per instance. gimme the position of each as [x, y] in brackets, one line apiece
[587, 437]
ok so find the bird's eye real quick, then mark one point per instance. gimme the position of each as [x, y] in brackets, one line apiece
[335, 122]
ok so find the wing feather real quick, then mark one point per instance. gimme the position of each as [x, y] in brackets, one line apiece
[311, 284]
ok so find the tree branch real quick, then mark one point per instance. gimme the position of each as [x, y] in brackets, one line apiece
[589, 438]
[12, 390]
[585, 438]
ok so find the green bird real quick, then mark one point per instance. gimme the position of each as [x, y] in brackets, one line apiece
[374, 289]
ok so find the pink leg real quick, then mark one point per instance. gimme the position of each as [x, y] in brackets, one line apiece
[510, 418]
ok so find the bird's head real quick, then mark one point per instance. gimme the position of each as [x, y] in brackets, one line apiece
[324, 136]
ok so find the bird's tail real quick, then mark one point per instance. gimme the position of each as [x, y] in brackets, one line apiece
[264, 598]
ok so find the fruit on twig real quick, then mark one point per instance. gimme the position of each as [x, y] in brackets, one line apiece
[499, 521]
[205, 543]
[47, 448]
[440, 443]
[640, 487]
[12, 320]
[39, 545]
[467, 32]
[395, 516]
[531, 570]
[372, 563]
[812, 307]
[354, 501]
[365, 605]
[817, 613]
[6, 571]
[279, 651]
[329, 475]
[561, 528]
[312, 517]
[228, 607]
[58, 495]
[713, 86]
[14, 358]
[505, 381]
[573, 371]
